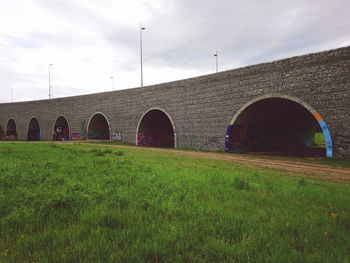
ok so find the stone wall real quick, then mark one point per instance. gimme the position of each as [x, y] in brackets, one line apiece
[201, 108]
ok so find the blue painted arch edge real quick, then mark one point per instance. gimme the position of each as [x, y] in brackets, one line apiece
[328, 139]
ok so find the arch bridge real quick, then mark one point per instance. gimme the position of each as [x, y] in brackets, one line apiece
[295, 106]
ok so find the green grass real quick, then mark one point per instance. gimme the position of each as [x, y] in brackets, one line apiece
[80, 203]
[319, 139]
[334, 162]
[108, 142]
[132, 144]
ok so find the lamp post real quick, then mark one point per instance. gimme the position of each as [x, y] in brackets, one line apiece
[216, 55]
[112, 77]
[50, 65]
[12, 95]
[141, 29]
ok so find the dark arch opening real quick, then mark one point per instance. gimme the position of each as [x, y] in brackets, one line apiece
[156, 130]
[11, 130]
[61, 129]
[277, 126]
[98, 128]
[33, 130]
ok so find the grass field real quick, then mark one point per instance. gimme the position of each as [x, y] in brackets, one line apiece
[80, 203]
[334, 162]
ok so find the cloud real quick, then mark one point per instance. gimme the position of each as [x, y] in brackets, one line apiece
[88, 41]
[244, 30]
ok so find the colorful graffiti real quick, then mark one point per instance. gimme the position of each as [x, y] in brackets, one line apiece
[76, 136]
[11, 137]
[98, 128]
[236, 138]
[61, 134]
[98, 134]
[154, 139]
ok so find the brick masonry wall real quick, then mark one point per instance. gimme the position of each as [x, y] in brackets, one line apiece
[201, 108]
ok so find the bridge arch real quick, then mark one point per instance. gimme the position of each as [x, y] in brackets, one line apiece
[275, 123]
[98, 127]
[61, 129]
[11, 130]
[156, 128]
[33, 130]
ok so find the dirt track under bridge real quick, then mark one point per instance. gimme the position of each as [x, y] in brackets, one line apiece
[294, 168]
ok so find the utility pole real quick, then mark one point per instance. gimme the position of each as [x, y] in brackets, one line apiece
[141, 29]
[216, 55]
[112, 77]
[50, 65]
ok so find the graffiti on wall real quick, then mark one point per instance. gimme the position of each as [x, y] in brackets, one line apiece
[78, 136]
[11, 137]
[117, 136]
[194, 141]
[154, 139]
[61, 134]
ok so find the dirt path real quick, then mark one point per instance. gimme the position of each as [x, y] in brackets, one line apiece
[315, 171]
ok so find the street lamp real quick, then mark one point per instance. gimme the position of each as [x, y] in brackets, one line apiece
[141, 29]
[216, 55]
[112, 82]
[50, 65]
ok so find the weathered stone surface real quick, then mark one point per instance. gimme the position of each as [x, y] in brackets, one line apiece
[201, 108]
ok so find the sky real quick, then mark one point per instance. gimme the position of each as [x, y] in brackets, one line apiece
[89, 41]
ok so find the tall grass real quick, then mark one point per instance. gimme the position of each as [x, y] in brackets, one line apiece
[78, 203]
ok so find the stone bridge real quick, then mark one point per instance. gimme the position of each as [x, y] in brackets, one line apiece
[298, 105]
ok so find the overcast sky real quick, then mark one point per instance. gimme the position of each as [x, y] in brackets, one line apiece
[88, 41]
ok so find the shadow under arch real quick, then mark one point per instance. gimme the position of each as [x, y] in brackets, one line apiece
[33, 131]
[156, 129]
[98, 127]
[276, 122]
[61, 129]
[11, 130]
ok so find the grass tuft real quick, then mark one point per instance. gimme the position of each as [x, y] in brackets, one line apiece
[119, 153]
[7, 151]
[301, 182]
[241, 184]
[99, 152]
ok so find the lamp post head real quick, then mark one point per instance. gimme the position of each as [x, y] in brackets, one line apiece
[143, 28]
